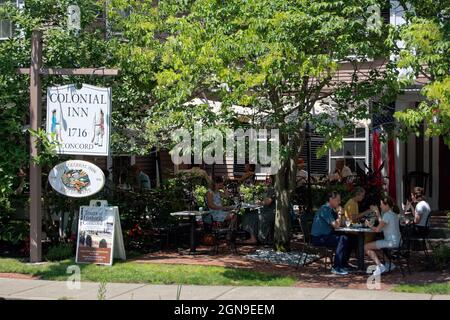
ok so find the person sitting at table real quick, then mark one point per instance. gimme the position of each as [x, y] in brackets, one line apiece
[389, 223]
[219, 213]
[420, 209]
[141, 181]
[341, 172]
[322, 233]
[301, 182]
[351, 208]
[352, 214]
[302, 174]
[267, 213]
[249, 174]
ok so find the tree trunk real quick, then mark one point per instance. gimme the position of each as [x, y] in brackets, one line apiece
[282, 214]
[285, 184]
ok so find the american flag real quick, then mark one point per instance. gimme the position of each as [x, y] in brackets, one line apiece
[383, 147]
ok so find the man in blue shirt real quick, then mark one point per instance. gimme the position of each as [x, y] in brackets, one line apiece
[141, 180]
[322, 234]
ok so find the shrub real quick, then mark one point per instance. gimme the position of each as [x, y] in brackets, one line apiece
[251, 193]
[199, 193]
[60, 252]
[14, 232]
[448, 219]
[441, 257]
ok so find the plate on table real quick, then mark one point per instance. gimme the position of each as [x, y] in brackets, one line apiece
[357, 225]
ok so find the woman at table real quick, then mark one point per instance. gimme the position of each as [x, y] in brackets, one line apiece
[249, 175]
[420, 210]
[219, 213]
[351, 208]
[390, 226]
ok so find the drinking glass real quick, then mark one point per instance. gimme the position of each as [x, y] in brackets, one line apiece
[348, 222]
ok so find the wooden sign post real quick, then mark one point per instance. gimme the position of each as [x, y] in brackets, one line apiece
[35, 71]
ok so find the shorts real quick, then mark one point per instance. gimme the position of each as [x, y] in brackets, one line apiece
[389, 244]
[219, 216]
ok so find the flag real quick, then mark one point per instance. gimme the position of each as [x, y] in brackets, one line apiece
[384, 153]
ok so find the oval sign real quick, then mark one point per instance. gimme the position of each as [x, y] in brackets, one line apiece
[76, 178]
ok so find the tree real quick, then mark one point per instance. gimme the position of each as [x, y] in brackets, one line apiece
[426, 54]
[276, 58]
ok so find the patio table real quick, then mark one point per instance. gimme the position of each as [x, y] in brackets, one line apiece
[250, 220]
[192, 218]
[360, 232]
[251, 206]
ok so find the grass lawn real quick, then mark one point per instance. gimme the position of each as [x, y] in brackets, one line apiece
[132, 272]
[430, 288]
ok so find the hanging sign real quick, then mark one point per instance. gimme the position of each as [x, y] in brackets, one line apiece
[99, 235]
[76, 178]
[79, 119]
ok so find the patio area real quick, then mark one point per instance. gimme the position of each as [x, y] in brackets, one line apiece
[312, 275]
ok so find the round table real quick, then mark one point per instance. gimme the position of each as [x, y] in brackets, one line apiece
[192, 215]
[360, 232]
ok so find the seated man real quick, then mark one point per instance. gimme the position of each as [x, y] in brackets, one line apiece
[141, 180]
[302, 174]
[266, 216]
[322, 234]
[342, 171]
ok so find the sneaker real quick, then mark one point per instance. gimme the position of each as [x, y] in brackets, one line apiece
[346, 269]
[371, 269]
[349, 268]
[379, 270]
[339, 271]
[390, 266]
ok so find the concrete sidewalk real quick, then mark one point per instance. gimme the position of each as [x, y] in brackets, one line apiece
[51, 290]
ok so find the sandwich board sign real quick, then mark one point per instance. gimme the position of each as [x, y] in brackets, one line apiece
[79, 119]
[99, 237]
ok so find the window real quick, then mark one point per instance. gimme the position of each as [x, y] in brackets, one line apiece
[355, 150]
[6, 29]
[6, 26]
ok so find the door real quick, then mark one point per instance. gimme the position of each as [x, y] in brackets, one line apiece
[444, 176]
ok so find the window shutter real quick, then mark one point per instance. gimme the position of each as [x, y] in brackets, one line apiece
[318, 166]
[385, 12]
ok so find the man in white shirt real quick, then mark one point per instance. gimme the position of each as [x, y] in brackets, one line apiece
[341, 172]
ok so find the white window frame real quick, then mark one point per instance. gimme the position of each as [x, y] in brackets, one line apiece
[365, 158]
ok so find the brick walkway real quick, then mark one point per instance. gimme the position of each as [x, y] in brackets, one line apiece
[312, 275]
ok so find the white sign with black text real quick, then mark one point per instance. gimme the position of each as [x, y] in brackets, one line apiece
[79, 119]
